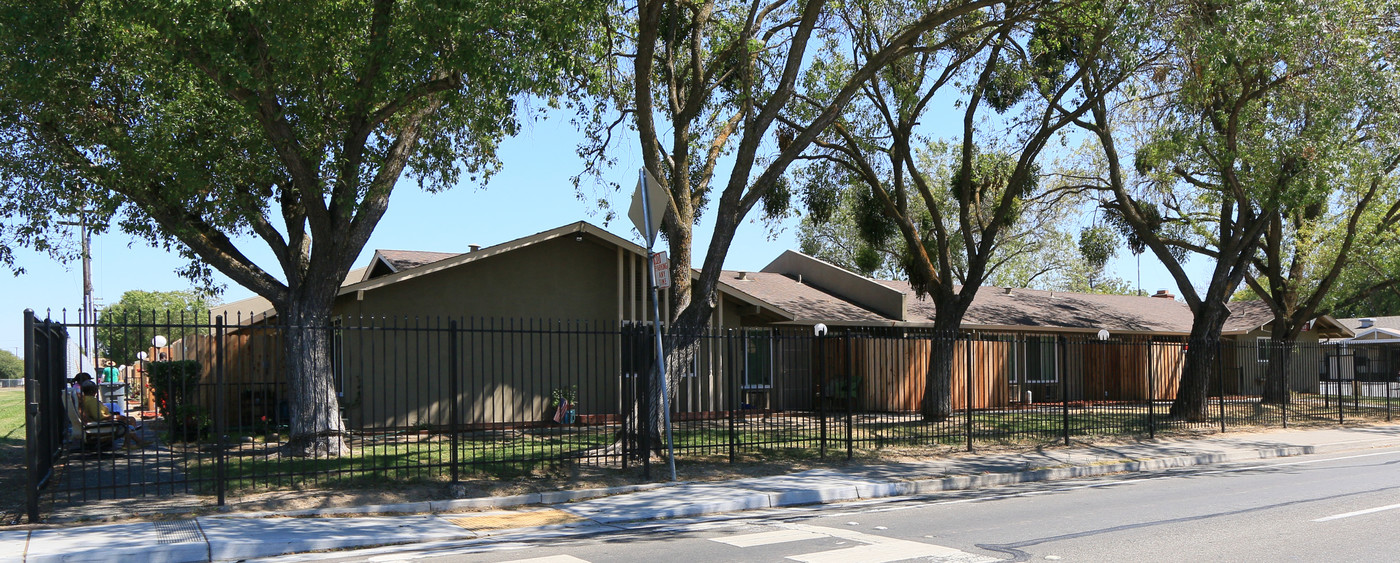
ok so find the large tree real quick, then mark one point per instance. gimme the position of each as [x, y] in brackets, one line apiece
[1037, 76]
[709, 84]
[195, 123]
[1220, 146]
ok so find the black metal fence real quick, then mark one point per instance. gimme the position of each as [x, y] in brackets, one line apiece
[452, 399]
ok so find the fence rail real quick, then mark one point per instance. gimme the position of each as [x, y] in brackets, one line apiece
[453, 399]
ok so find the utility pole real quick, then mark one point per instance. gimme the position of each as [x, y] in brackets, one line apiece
[88, 316]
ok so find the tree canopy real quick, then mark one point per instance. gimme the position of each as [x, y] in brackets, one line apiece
[11, 366]
[192, 124]
[1243, 118]
[126, 327]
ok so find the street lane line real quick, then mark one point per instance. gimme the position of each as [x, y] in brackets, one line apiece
[769, 538]
[1358, 513]
[550, 559]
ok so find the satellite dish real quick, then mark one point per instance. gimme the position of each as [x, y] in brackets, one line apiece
[820, 329]
[1103, 334]
[159, 341]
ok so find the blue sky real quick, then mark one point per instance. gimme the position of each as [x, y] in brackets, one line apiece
[532, 193]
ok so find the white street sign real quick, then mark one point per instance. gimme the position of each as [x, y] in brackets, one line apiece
[661, 269]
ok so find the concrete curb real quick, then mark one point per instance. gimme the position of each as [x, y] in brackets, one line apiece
[436, 506]
[225, 537]
[808, 495]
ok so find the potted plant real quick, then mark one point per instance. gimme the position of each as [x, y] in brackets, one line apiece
[564, 401]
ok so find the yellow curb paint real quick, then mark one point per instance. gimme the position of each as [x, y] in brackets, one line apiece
[507, 520]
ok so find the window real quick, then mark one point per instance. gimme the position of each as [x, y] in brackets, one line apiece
[758, 359]
[1039, 354]
[1261, 349]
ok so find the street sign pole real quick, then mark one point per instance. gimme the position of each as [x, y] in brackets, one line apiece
[656, 318]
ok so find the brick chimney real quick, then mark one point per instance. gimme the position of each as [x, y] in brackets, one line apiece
[1164, 294]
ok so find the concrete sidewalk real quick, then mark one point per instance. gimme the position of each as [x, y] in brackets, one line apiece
[233, 537]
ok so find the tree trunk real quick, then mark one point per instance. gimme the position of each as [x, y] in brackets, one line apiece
[1276, 379]
[938, 381]
[1202, 348]
[316, 428]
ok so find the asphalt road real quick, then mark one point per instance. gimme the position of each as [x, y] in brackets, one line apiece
[1343, 507]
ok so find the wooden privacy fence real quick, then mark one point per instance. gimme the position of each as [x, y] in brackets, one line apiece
[894, 371]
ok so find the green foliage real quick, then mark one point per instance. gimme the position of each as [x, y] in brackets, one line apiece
[562, 395]
[876, 228]
[777, 202]
[127, 327]
[843, 387]
[191, 123]
[189, 423]
[1097, 246]
[820, 196]
[839, 238]
[868, 260]
[11, 366]
[197, 125]
[173, 382]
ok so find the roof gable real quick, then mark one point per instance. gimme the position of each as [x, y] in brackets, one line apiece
[387, 262]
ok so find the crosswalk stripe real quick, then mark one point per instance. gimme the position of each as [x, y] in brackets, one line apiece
[769, 538]
[878, 549]
[550, 559]
[882, 553]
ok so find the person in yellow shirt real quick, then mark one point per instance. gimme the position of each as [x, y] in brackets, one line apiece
[92, 410]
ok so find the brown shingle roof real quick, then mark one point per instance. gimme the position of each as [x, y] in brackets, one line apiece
[807, 303]
[404, 259]
[994, 307]
[1245, 316]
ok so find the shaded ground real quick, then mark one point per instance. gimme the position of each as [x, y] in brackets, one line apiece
[411, 467]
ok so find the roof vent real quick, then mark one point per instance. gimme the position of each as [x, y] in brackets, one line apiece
[473, 247]
[1164, 294]
[1368, 322]
[743, 275]
[1007, 291]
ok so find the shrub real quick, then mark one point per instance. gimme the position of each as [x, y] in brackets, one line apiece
[172, 382]
[189, 423]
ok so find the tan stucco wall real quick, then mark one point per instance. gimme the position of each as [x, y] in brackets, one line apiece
[556, 279]
[402, 379]
[1245, 374]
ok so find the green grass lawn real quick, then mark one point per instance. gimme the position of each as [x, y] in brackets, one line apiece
[503, 455]
[12, 476]
[408, 457]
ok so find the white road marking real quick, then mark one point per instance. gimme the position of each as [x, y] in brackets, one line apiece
[1358, 513]
[877, 549]
[550, 559]
[769, 538]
